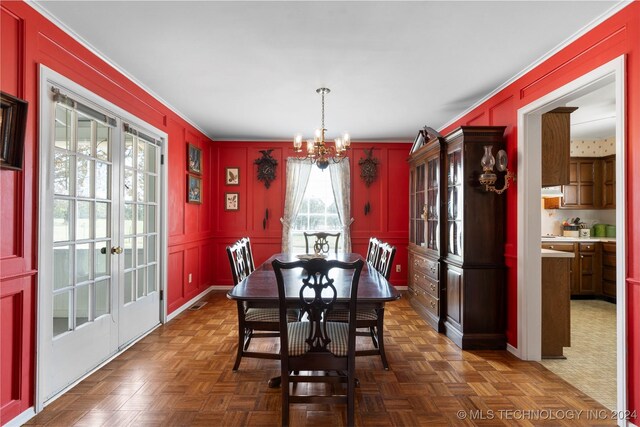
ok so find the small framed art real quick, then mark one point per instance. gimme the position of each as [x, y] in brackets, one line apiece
[194, 189]
[231, 201]
[194, 159]
[232, 176]
[13, 119]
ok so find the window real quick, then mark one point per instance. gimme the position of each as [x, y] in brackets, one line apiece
[318, 211]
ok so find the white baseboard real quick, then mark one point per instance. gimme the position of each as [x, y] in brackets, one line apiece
[511, 349]
[195, 299]
[22, 418]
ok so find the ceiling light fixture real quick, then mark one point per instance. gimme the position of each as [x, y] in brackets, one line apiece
[317, 150]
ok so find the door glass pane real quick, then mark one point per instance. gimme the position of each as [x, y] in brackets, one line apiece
[83, 262]
[128, 252]
[151, 158]
[141, 217]
[61, 267]
[102, 142]
[151, 248]
[140, 187]
[141, 153]
[82, 304]
[102, 180]
[151, 219]
[140, 253]
[62, 173]
[151, 188]
[102, 220]
[63, 128]
[84, 135]
[102, 298]
[140, 283]
[61, 220]
[83, 177]
[101, 258]
[128, 286]
[128, 150]
[61, 313]
[151, 278]
[83, 220]
[128, 219]
[128, 185]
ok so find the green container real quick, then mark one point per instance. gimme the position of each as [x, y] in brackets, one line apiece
[599, 230]
[610, 231]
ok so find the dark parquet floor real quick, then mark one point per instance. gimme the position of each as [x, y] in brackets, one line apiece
[180, 374]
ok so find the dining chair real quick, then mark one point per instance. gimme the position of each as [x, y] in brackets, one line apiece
[252, 318]
[372, 319]
[373, 251]
[314, 347]
[321, 244]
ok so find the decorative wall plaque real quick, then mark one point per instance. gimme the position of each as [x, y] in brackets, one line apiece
[266, 167]
[368, 167]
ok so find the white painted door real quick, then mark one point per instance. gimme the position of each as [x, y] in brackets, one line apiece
[99, 243]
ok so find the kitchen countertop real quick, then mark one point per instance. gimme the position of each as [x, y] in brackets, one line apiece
[550, 253]
[560, 239]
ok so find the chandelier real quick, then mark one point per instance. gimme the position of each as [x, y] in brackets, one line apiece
[317, 150]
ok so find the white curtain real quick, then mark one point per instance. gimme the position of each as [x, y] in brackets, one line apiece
[297, 177]
[341, 183]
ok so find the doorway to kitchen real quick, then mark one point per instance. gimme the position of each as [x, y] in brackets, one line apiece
[588, 258]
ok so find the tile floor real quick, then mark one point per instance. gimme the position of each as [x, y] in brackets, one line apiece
[591, 360]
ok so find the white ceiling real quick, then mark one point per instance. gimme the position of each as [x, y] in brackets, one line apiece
[595, 117]
[249, 70]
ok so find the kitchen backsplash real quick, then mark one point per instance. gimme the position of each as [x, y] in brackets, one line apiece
[551, 219]
[593, 148]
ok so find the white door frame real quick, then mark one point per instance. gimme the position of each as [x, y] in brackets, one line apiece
[45, 129]
[529, 215]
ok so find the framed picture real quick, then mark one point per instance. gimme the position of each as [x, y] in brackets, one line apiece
[231, 201]
[194, 159]
[232, 176]
[13, 120]
[194, 189]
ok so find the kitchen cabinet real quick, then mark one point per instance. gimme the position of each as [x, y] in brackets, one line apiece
[556, 309]
[573, 264]
[425, 230]
[589, 267]
[609, 270]
[473, 262]
[591, 183]
[556, 146]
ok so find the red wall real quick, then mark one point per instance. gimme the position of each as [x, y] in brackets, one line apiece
[387, 220]
[28, 40]
[617, 36]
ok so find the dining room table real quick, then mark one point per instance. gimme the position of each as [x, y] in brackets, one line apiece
[260, 288]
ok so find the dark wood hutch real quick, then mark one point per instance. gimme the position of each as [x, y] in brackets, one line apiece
[456, 237]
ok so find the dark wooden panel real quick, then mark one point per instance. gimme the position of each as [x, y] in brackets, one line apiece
[454, 295]
[556, 320]
[556, 146]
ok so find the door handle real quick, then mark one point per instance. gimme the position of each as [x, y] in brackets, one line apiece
[116, 250]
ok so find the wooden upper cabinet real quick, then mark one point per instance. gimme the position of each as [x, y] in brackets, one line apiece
[556, 146]
[609, 182]
[591, 183]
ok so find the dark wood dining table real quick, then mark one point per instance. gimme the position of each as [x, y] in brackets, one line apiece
[260, 286]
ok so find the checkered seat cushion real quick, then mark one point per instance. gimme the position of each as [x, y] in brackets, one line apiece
[299, 331]
[343, 315]
[268, 315]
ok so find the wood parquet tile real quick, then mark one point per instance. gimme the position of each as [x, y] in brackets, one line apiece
[180, 375]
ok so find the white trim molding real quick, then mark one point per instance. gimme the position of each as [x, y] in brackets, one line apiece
[529, 216]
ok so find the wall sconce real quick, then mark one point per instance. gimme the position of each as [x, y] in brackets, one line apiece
[488, 178]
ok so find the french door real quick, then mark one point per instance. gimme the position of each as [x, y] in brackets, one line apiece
[99, 243]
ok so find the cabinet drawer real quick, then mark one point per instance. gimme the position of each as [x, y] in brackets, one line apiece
[426, 283]
[427, 301]
[587, 247]
[426, 266]
[609, 247]
[565, 247]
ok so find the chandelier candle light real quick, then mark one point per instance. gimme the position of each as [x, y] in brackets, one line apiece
[488, 178]
[317, 150]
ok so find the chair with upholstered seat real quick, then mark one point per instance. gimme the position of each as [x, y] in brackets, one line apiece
[315, 344]
[252, 318]
[321, 243]
[385, 259]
